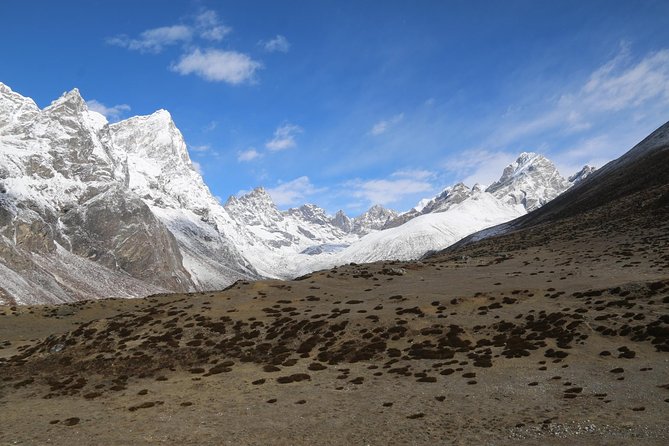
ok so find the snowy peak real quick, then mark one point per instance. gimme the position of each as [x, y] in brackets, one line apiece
[310, 213]
[15, 109]
[582, 174]
[154, 137]
[70, 110]
[524, 165]
[342, 221]
[159, 167]
[71, 100]
[448, 198]
[373, 220]
[258, 198]
[531, 181]
[255, 209]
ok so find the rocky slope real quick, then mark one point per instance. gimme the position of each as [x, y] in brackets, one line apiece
[63, 203]
[117, 207]
[640, 177]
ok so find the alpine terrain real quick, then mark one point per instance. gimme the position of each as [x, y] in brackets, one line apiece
[90, 209]
[551, 328]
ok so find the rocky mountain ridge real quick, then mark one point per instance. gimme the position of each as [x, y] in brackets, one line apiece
[93, 209]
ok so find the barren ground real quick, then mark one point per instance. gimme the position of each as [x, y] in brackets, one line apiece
[551, 343]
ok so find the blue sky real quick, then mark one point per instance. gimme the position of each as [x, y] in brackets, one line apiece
[350, 103]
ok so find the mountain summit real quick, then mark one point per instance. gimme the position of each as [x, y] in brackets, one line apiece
[531, 181]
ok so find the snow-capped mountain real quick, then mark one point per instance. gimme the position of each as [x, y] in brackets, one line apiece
[449, 197]
[272, 240]
[528, 183]
[374, 219]
[91, 209]
[433, 230]
[532, 180]
[342, 221]
[582, 174]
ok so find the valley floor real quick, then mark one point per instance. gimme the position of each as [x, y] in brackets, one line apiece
[549, 344]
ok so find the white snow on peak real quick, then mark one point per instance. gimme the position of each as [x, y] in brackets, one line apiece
[582, 174]
[15, 110]
[432, 231]
[532, 180]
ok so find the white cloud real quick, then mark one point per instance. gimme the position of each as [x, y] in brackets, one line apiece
[206, 25]
[387, 191]
[284, 137]
[197, 166]
[111, 113]
[293, 192]
[211, 126]
[210, 27]
[277, 44]
[201, 148]
[384, 125]
[620, 86]
[248, 155]
[154, 40]
[416, 174]
[479, 165]
[218, 66]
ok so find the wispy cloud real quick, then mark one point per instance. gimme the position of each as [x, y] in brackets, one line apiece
[209, 26]
[205, 25]
[293, 192]
[384, 125]
[248, 155]
[211, 64]
[284, 137]
[201, 148]
[210, 127]
[197, 166]
[478, 165]
[218, 66]
[621, 85]
[277, 44]
[154, 40]
[112, 113]
[385, 191]
[416, 174]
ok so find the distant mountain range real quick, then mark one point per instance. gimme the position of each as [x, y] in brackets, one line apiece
[90, 209]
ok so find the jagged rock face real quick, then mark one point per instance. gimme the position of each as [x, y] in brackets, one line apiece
[448, 198]
[273, 240]
[255, 208]
[310, 213]
[119, 231]
[582, 174]
[373, 220]
[76, 191]
[159, 167]
[530, 181]
[341, 221]
[15, 110]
